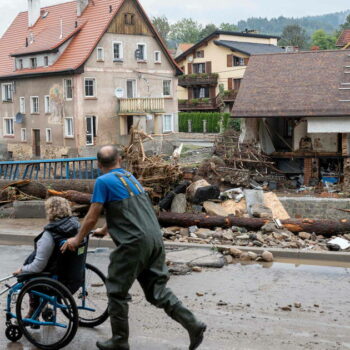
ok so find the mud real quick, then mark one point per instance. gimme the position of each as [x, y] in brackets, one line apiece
[241, 304]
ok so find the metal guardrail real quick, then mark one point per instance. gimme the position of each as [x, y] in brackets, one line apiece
[67, 168]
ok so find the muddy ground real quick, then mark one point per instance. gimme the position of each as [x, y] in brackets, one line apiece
[248, 315]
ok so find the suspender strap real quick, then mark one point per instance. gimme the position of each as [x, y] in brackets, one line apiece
[126, 185]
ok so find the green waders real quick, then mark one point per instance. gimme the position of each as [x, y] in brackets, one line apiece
[140, 255]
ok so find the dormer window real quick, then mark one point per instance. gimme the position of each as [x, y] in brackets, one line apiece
[33, 63]
[46, 61]
[129, 18]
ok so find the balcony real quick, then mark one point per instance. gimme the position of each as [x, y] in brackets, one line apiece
[198, 79]
[198, 104]
[141, 106]
[229, 95]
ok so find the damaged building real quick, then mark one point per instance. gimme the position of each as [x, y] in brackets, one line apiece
[296, 106]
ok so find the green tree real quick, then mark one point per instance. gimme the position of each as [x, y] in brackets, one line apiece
[294, 35]
[207, 30]
[346, 25]
[228, 27]
[162, 25]
[186, 30]
[323, 40]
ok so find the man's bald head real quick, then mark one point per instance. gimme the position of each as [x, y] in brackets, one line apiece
[108, 156]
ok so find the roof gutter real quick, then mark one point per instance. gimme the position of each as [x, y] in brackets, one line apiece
[43, 74]
[289, 116]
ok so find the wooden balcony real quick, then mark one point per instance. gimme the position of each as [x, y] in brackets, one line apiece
[229, 95]
[141, 106]
[201, 104]
[198, 79]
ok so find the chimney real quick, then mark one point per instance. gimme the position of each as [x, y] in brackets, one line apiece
[81, 5]
[33, 12]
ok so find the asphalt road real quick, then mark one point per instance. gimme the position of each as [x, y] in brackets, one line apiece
[251, 318]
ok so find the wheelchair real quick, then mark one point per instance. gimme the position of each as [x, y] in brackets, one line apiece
[58, 310]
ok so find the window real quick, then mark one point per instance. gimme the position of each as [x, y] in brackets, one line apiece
[68, 90]
[201, 92]
[200, 54]
[238, 61]
[34, 104]
[166, 87]
[141, 52]
[22, 105]
[167, 123]
[117, 51]
[47, 104]
[129, 18]
[91, 130]
[33, 62]
[20, 64]
[157, 57]
[68, 127]
[7, 92]
[90, 87]
[8, 127]
[131, 88]
[236, 84]
[23, 135]
[48, 135]
[46, 61]
[199, 68]
[100, 54]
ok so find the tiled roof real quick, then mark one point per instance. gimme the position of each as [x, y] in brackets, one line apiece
[248, 48]
[46, 33]
[295, 84]
[344, 38]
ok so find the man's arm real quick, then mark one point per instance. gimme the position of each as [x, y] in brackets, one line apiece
[88, 224]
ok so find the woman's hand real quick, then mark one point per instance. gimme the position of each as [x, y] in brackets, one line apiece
[18, 272]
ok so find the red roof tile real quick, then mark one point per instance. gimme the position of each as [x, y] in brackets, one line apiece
[344, 38]
[46, 32]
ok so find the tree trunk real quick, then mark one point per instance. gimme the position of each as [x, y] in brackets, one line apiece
[73, 196]
[326, 228]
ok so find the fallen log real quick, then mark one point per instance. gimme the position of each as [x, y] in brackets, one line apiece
[73, 196]
[327, 228]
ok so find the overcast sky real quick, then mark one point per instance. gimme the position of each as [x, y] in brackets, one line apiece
[206, 11]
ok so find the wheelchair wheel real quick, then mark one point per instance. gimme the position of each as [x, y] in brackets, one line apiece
[13, 333]
[91, 299]
[55, 319]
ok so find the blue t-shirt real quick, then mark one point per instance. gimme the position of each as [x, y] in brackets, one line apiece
[110, 188]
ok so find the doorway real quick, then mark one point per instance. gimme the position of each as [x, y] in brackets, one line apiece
[36, 143]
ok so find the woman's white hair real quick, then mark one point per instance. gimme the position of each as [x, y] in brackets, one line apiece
[57, 208]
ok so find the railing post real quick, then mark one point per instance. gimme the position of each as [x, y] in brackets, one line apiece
[189, 125]
[205, 122]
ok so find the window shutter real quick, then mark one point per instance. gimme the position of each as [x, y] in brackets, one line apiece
[189, 68]
[246, 60]
[229, 60]
[230, 84]
[208, 67]
[212, 92]
[190, 94]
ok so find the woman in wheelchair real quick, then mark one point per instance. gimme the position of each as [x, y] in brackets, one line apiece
[47, 256]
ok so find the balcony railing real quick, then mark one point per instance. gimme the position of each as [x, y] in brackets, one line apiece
[198, 104]
[141, 105]
[198, 79]
[229, 95]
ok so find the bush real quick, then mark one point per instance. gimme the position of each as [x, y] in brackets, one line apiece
[214, 120]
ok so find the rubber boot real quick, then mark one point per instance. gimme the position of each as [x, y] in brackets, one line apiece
[119, 340]
[194, 327]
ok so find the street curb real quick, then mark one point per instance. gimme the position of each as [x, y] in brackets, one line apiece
[287, 254]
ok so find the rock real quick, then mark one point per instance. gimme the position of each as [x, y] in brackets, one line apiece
[204, 233]
[347, 236]
[286, 308]
[252, 255]
[199, 294]
[196, 269]
[269, 227]
[184, 232]
[193, 229]
[197, 209]
[260, 211]
[205, 193]
[218, 234]
[179, 269]
[228, 235]
[173, 229]
[257, 243]
[333, 247]
[297, 305]
[192, 189]
[267, 256]
[244, 237]
[278, 236]
[229, 259]
[305, 235]
[245, 257]
[253, 236]
[179, 204]
[236, 253]
[221, 303]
